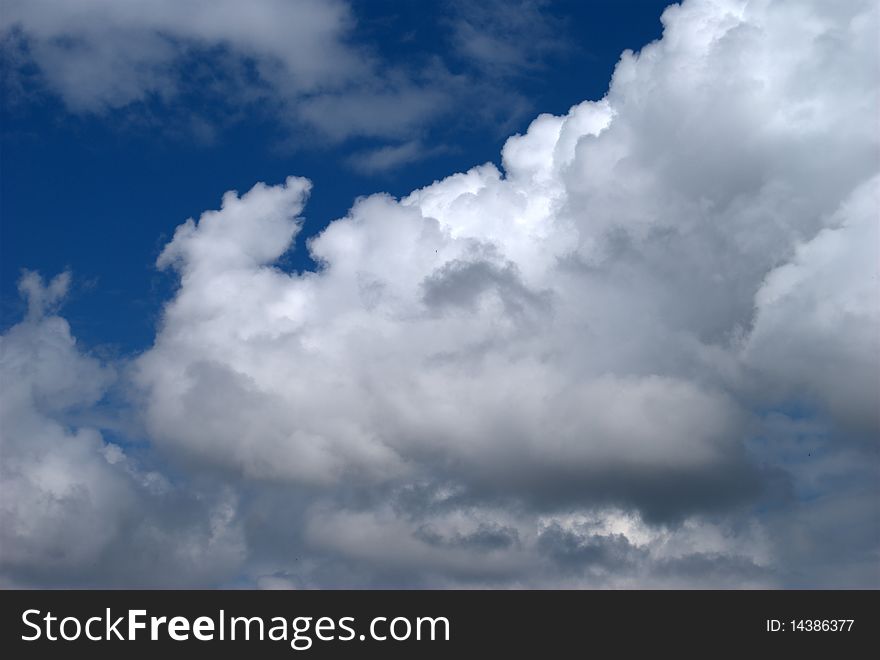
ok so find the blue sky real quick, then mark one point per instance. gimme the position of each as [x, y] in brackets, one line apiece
[107, 188]
[594, 299]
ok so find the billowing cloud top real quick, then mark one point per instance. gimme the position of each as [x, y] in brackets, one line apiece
[603, 364]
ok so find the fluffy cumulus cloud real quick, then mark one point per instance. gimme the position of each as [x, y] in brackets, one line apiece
[76, 509]
[642, 352]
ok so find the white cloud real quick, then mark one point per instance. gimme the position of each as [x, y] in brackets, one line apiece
[104, 54]
[75, 509]
[101, 52]
[561, 370]
[391, 157]
[562, 308]
[301, 61]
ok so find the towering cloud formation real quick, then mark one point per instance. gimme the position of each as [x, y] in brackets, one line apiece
[580, 369]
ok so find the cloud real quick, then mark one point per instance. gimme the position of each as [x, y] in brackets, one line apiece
[830, 287]
[100, 53]
[297, 57]
[43, 298]
[76, 509]
[599, 365]
[603, 547]
[507, 38]
[404, 324]
[302, 61]
[391, 157]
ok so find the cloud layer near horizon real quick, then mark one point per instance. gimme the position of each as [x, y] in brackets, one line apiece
[644, 352]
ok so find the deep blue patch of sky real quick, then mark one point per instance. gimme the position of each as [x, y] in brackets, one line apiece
[101, 194]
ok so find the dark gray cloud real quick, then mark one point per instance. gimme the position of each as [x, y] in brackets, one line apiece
[575, 552]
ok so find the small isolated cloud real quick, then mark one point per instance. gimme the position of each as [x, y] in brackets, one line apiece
[578, 369]
[386, 158]
[391, 157]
